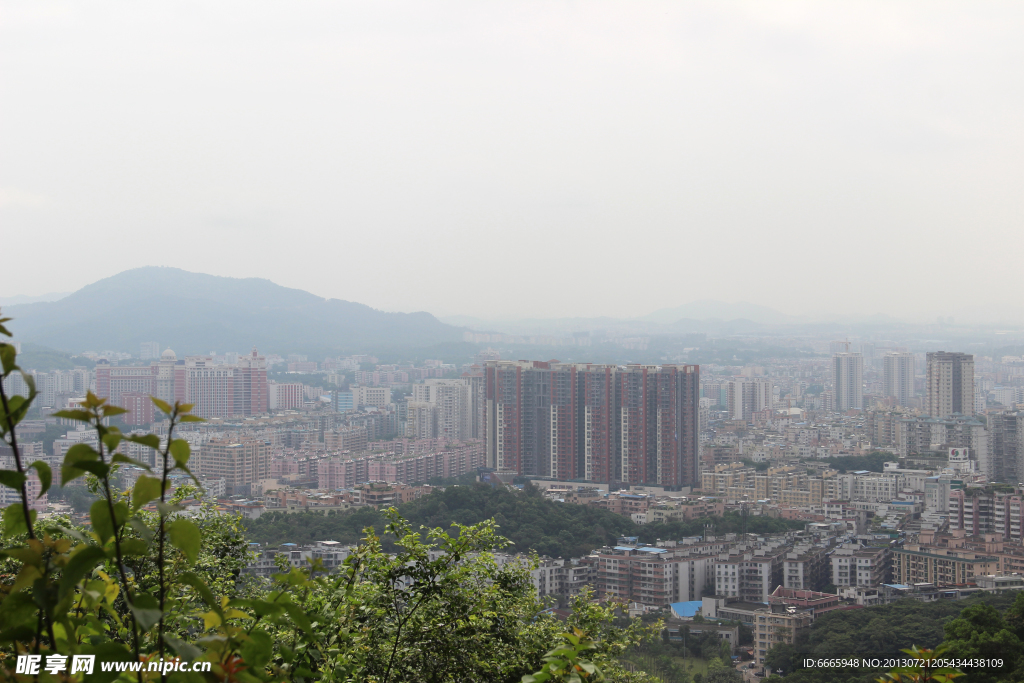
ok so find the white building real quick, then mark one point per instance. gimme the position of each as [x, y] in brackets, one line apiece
[848, 381]
[898, 377]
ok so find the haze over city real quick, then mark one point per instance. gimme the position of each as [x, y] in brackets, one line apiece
[609, 159]
[511, 341]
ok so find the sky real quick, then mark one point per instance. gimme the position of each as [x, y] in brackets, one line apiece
[524, 159]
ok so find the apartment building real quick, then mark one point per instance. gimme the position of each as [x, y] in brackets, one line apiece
[898, 377]
[915, 563]
[453, 404]
[870, 486]
[848, 381]
[950, 384]
[651, 575]
[284, 395]
[239, 462]
[806, 568]
[371, 396]
[776, 626]
[855, 565]
[750, 575]
[636, 424]
[749, 395]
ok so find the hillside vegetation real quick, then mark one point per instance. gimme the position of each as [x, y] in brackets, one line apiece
[530, 521]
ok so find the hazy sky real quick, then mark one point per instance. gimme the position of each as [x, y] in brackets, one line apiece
[523, 158]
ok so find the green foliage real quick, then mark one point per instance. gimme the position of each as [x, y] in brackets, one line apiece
[530, 521]
[873, 462]
[971, 625]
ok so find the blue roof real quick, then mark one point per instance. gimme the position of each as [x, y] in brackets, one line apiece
[686, 609]
[624, 547]
[652, 550]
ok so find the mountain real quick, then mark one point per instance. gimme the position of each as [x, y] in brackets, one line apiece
[22, 299]
[707, 309]
[196, 313]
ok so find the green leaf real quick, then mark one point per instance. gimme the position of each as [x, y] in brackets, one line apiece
[134, 546]
[18, 608]
[151, 440]
[112, 440]
[163, 406]
[191, 418]
[121, 457]
[102, 524]
[258, 650]
[167, 508]
[76, 455]
[7, 357]
[45, 475]
[185, 537]
[80, 564]
[12, 479]
[191, 579]
[110, 411]
[101, 470]
[186, 651]
[180, 451]
[298, 616]
[17, 406]
[76, 415]
[146, 609]
[146, 489]
[141, 529]
[14, 520]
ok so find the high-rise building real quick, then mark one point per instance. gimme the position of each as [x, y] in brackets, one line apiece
[848, 381]
[240, 462]
[835, 347]
[1006, 446]
[343, 401]
[149, 350]
[112, 381]
[454, 401]
[285, 396]
[950, 383]
[251, 396]
[371, 396]
[226, 390]
[421, 418]
[898, 377]
[749, 395]
[139, 407]
[636, 424]
[170, 378]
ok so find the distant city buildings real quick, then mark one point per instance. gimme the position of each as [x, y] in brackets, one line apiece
[216, 390]
[950, 384]
[898, 377]
[848, 381]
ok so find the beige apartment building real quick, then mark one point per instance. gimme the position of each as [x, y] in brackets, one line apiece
[239, 462]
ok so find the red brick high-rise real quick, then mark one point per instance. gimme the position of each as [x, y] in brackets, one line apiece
[636, 424]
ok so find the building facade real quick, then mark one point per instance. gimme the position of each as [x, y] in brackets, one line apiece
[950, 384]
[636, 424]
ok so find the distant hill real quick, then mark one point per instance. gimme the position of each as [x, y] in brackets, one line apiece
[709, 309]
[197, 313]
